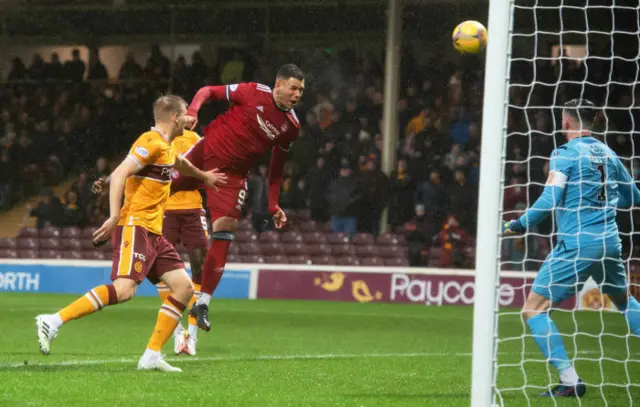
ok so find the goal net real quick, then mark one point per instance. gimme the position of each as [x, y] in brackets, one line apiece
[556, 51]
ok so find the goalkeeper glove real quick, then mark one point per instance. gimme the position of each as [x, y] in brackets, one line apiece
[511, 227]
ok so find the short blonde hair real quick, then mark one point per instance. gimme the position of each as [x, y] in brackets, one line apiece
[165, 106]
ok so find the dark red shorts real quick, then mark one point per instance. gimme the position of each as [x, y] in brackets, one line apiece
[229, 199]
[186, 226]
[138, 253]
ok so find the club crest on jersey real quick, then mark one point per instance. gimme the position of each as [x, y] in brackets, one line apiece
[269, 129]
[284, 127]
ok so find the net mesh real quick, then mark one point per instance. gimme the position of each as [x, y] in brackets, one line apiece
[561, 50]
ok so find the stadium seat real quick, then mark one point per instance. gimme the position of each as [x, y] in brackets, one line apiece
[435, 253]
[50, 231]
[304, 214]
[27, 243]
[396, 262]
[326, 227]
[390, 239]
[251, 258]
[245, 224]
[300, 259]
[294, 249]
[307, 226]
[319, 249]
[94, 255]
[314, 238]
[233, 258]
[271, 248]
[372, 261]
[49, 254]
[234, 248]
[323, 260]
[71, 244]
[361, 239]
[291, 237]
[71, 233]
[72, 254]
[87, 245]
[28, 254]
[249, 249]
[28, 232]
[245, 236]
[337, 238]
[8, 254]
[50, 243]
[8, 243]
[366, 251]
[278, 259]
[269, 236]
[347, 261]
[87, 233]
[107, 247]
[390, 252]
[344, 249]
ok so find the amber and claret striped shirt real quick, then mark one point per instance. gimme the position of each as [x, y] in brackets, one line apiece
[184, 199]
[146, 193]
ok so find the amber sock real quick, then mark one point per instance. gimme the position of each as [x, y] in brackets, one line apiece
[168, 319]
[92, 301]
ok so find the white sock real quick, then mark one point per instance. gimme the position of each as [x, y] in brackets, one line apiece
[150, 354]
[204, 299]
[56, 321]
[193, 331]
[178, 330]
[569, 376]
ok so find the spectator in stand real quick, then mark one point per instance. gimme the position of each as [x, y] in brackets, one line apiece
[74, 69]
[6, 180]
[418, 235]
[344, 198]
[292, 191]
[72, 212]
[453, 239]
[433, 196]
[37, 69]
[49, 212]
[316, 181]
[259, 198]
[18, 70]
[375, 195]
[158, 66]
[463, 200]
[55, 69]
[402, 192]
[97, 70]
[130, 69]
[233, 70]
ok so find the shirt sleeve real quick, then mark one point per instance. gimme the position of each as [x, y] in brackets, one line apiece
[243, 93]
[144, 151]
[552, 196]
[627, 188]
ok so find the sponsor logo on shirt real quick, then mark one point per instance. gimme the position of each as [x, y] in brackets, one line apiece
[141, 151]
[269, 129]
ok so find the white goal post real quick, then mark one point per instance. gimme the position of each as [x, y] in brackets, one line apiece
[490, 201]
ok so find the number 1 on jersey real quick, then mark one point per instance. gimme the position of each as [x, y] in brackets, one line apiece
[602, 196]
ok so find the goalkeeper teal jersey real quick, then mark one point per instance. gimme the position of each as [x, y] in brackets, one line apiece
[587, 183]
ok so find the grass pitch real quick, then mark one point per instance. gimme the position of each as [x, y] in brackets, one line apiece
[293, 353]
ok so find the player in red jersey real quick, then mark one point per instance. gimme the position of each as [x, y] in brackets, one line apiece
[259, 119]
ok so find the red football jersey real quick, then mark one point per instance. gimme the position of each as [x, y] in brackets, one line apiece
[249, 128]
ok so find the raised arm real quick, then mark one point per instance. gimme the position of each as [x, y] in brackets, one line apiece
[627, 188]
[205, 94]
[552, 196]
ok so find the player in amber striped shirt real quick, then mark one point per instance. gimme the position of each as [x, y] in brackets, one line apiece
[140, 250]
[185, 223]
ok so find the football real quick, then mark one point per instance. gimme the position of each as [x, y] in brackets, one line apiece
[469, 37]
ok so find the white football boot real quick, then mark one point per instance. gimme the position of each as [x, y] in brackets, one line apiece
[156, 362]
[46, 331]
[190, 348]
[179, 340]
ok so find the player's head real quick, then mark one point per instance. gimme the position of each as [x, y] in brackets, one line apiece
[289, 86]
[578, 116]
[169, 112]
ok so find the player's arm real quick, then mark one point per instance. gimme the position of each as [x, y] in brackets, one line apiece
[627, 188]
[276, 172]
[552, 196]
[231, 93]
[211, 178]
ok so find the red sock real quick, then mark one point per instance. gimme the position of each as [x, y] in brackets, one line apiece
[213, 266]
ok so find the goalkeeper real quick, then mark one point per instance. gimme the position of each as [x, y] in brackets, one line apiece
[586, 184]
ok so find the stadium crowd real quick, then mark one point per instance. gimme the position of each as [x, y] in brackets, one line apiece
[66, 118]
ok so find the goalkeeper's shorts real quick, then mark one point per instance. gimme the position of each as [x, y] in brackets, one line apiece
[565, 271]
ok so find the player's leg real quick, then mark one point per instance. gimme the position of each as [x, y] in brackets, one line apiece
[171, 232]
[224, 229]
[195, 238]
[127, 272]
[225, 207]
[559, 278]
[167, 267]
[616, 286]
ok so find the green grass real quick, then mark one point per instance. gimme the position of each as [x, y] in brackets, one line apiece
[289, 353]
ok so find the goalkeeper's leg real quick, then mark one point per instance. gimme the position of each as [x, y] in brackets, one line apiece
[616, 286]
